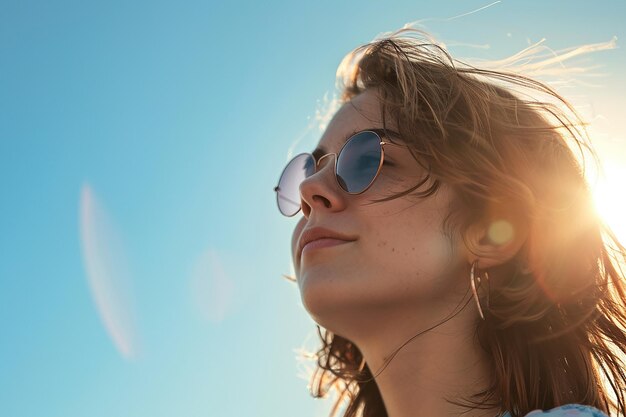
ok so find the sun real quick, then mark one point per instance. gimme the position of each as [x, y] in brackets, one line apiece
[609, 194]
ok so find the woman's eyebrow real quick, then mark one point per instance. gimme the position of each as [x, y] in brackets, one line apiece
[388, 133]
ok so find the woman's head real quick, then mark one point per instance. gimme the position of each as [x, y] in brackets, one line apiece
[483, 172]
[401, 262]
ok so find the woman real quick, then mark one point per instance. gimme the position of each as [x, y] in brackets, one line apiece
[449, 248]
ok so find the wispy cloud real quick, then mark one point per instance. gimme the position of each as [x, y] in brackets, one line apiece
[107, 273]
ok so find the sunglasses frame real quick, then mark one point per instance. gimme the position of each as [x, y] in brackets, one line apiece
[382, 144]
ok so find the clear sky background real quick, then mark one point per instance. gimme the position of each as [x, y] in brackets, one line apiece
[141, 250]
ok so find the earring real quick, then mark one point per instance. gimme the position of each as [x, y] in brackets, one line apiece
[473, 279]
[362, 365]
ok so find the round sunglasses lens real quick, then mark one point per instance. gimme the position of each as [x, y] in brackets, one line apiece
[288, 195]
[358, 162]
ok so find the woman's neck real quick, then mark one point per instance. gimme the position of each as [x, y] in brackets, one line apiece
[443, 363]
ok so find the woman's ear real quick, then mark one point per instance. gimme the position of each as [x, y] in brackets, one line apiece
[494, 242]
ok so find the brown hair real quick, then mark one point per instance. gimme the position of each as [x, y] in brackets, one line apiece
[555, 326]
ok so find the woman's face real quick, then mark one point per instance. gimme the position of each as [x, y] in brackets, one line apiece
[401, 263]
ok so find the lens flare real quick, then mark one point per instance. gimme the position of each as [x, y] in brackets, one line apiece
[107, 273]
[501, 232]
[210, 286]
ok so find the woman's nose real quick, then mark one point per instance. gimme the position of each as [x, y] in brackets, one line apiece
[320, 191]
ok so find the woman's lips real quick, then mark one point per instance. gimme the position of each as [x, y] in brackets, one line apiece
[323, 243]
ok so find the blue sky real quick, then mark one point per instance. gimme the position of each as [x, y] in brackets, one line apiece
[141, 250]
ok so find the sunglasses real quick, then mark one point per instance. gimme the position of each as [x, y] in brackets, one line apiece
[358, 164]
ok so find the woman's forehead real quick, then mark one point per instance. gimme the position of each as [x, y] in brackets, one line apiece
[360, 113]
